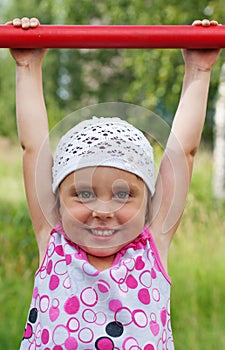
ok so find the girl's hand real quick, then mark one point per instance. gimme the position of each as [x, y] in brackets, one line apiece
[202, 59]
[24, 57]
[25, 22]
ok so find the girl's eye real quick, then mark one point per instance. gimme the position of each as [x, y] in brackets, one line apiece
[122, 195]
[85, 195]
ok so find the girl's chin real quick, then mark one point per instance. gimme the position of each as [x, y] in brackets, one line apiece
[100, 252]
[102, 246]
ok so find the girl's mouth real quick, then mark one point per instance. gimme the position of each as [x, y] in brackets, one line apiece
[102, 232]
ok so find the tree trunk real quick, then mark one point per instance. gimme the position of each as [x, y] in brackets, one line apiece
[219, 144]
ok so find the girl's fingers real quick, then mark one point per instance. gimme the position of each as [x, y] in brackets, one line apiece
[205, 23]
[34, 22]
[16, 22]
[197, 22]
[214, 23]
[24, 22]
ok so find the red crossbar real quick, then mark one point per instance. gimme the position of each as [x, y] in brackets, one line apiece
[117, 36]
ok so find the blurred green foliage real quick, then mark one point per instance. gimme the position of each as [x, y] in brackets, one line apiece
[77, 78]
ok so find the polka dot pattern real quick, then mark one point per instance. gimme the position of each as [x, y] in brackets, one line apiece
[74, 306]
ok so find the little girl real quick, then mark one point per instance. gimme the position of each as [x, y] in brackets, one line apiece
[103, 226]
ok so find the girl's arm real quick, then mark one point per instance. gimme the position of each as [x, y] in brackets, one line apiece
[34, 138]
[176, 167]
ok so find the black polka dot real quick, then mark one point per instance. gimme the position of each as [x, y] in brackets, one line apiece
[33, 315]
[114, 329]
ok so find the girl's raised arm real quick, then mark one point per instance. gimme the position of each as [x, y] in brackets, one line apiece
[176, 167]
[34, 138]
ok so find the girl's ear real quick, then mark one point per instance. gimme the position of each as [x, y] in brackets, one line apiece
[148, 214]
[58, 205]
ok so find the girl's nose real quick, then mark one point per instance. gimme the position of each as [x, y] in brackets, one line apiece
[103, 209]
[102, 215]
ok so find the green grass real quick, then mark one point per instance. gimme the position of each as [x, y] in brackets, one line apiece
[197, 266]
[18, 252]
[196, 263]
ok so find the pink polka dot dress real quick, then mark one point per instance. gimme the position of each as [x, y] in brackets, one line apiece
[75, 306]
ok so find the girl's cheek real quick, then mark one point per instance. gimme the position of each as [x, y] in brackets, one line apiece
[127, 214]
[79, 213]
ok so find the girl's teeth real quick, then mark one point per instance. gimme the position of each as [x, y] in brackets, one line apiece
[102, 232]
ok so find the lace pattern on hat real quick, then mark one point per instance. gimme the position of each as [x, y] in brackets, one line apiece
[104, 142]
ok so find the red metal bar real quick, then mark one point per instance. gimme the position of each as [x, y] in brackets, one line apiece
[82, 36]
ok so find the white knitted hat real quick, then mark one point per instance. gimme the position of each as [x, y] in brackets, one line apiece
[104, 142]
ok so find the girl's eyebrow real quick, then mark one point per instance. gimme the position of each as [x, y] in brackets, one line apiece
[81, 186]
[75, 186]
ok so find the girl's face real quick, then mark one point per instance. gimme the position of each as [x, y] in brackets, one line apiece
[102, 209]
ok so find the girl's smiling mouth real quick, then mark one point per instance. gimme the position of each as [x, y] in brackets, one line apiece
[102, 232]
